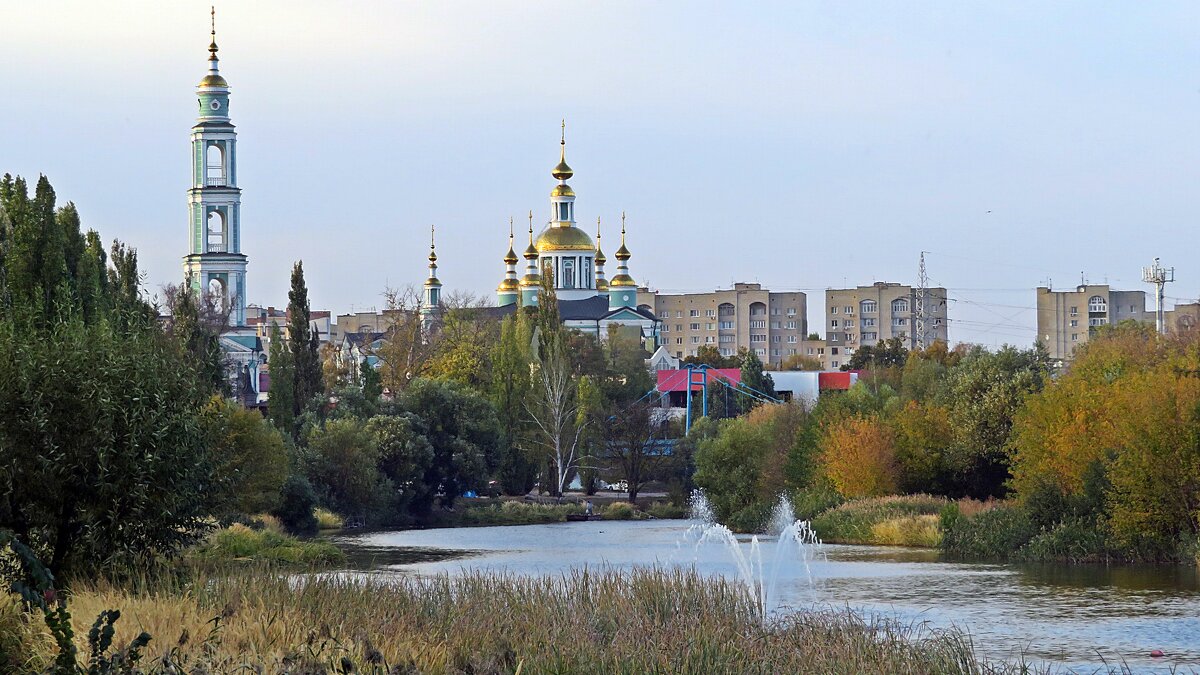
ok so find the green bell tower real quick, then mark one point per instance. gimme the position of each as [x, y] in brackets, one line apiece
[215, 263]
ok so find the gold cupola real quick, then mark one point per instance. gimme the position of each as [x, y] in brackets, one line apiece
[561, 171]
[532, 278]
[213, 78]
[622, 277]
[510, 285]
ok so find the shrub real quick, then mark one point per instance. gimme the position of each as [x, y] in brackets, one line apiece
[619, 511]
[854, 522]
[667, 511]
[296, 504]
[924, 530]
[328, 520]
[997, 533]
[240, 542]
[810, 502]
[1073, 540]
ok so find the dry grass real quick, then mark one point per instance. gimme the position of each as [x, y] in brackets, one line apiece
[909, 520]
[923, 530]
[328, 520]
[583, 622]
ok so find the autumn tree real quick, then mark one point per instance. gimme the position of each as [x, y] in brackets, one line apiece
[859, 457]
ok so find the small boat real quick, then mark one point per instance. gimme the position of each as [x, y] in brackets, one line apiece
[575, 517]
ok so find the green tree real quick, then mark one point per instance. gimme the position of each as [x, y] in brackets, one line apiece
[755, 379]
[341, 463]
[304, 343]
[510, 385]
[372, 385]
[461, 427]
[281, 402]
[249, 457]
[405, 459]
[635, 446]
[889, 353]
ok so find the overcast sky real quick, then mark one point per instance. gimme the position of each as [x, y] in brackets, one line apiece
[803, 145]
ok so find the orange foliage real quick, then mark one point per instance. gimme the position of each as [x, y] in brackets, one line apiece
[859, 457]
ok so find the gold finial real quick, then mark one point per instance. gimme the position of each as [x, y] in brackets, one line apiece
[510, 230]
[563, 139]
[597, 231]
[432, 249]
[562, 171]
[531, 228]
[622, 228]
[432, 232]
[212, 47]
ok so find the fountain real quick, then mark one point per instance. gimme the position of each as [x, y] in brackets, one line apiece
[793, 538]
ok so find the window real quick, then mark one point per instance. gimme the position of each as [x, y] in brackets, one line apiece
[791, 352]
[792, 339]
[1097, 304]
[820, 351]
[810, 351]
[214, 165]
[791, 311]
[568, 273]
[774, 325]
[760, 352]
[758, 338]
[833, 310]
[774, 352]
[776, 338]
[564, 211]
[1131, 309]
[1098, 321]
[900, 305]
[870, 336]
[833, 364]
[665, 314]
[726, 325]
[833, 351]
[678, 314]
[726, 338]
[899, 321]
[867, 323]
[585, 279]
[1074, 337]
[867, 307]
[678, 341]
[791, 325]
[1074, 311]
[726, 352]
[708, 339]
[1074, 323]
[833, 323]
[848, 323]
[848, 309]
[775, 311]
[216, 231]
[678, 326]
[757, 309]
[709, 325]
[693, 312]
[693, 326]
[758, 324]
[695, 339]
[710, 312]
[726, 309]
[666, 328]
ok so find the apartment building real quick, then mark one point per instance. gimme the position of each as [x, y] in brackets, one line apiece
[866, 315]
[747, 316]
[1066, 319]
[1184, 318]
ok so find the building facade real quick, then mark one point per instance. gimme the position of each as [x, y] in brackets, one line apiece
[1067, 319]
[747, 316]
[867, 315]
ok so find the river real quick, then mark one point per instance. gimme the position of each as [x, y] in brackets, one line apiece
[1078, 617]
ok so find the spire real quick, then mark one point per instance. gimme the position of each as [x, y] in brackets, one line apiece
[562, 172]
[432, 280]
[600, 259]
[508, 291]
[601, 282]
[433, 287]
[531, 252]
[212, 47]
[510, 258]
[623, 253]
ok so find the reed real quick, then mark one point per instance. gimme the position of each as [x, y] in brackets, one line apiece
[910, 520]
[584, 621]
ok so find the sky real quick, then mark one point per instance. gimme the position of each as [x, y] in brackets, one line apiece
[803, 145]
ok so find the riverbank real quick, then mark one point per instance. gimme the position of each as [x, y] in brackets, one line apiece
[491, 512]
[582, 622]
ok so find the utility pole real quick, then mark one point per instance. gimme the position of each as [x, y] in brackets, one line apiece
[1159, 276]
[919, 316]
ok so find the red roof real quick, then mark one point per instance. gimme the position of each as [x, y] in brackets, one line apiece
[836, 380]
[676, 380]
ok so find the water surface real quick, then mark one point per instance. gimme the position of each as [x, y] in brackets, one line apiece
[1080, 617]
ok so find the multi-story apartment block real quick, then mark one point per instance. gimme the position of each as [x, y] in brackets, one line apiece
[773, 325]
[1066, 319]
[864, 316]
[1184, 318]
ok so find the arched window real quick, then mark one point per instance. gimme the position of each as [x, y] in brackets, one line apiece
[757, 309]
[215, 165]
[216, 292]
[900, 305]
[216, 231]
[1097, 304]
[867, 307]
[726, 309]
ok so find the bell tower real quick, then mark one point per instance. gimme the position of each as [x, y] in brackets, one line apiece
[215, 262]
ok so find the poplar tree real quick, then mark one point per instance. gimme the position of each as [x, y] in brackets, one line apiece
[281, 404]
[304, 343]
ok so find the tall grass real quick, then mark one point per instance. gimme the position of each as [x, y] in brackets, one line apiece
[911, 520]
[582, 622]
[240, 543]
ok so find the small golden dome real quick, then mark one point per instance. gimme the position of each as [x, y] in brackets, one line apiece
[561, 171]
[622, 280]
[600, 259]
[601, 285]
[564, 239]
[508, 285]
[213, 81]
[432, 281]
[562, 190]
[531, 280]
[623, 253]
[510, 258]
[531, 252]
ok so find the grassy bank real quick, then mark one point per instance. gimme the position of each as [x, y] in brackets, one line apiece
[484, 513]
[585, 622]
[912, 520]
[239, 544]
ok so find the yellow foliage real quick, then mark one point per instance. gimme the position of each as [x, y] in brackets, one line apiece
[859, 456]
[923, 530]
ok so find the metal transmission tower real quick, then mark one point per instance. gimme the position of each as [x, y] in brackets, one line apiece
[920, 319]
[1159, 276]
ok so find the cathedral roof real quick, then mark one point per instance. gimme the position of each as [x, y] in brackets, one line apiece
[558, 238]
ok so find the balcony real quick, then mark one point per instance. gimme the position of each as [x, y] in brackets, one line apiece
[215, 181]
[216, 248]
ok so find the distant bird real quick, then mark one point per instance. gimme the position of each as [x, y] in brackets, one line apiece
[989, 211]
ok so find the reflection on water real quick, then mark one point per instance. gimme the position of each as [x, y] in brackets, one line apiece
[1078, 616]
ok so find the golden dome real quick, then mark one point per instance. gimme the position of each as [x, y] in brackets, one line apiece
[623, 253]
[622, 280]
[531, 252]
[564, 239]
[510, 258]
[600, 259]
[213, 81]
[531, 280]
[562, 190]
[432, 281]
[508, 285]
[601, 285]
[561, 171]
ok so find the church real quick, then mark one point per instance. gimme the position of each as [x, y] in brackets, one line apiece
[565, 254]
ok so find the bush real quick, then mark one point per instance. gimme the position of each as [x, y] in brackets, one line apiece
[619, 511]
[296, 504]
[996, 534]
[854, 522]
[808, 503]
[238, 542]
[924, 530]
[328, 520]
[751, 518]
[667, 511]
[1073, 540]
